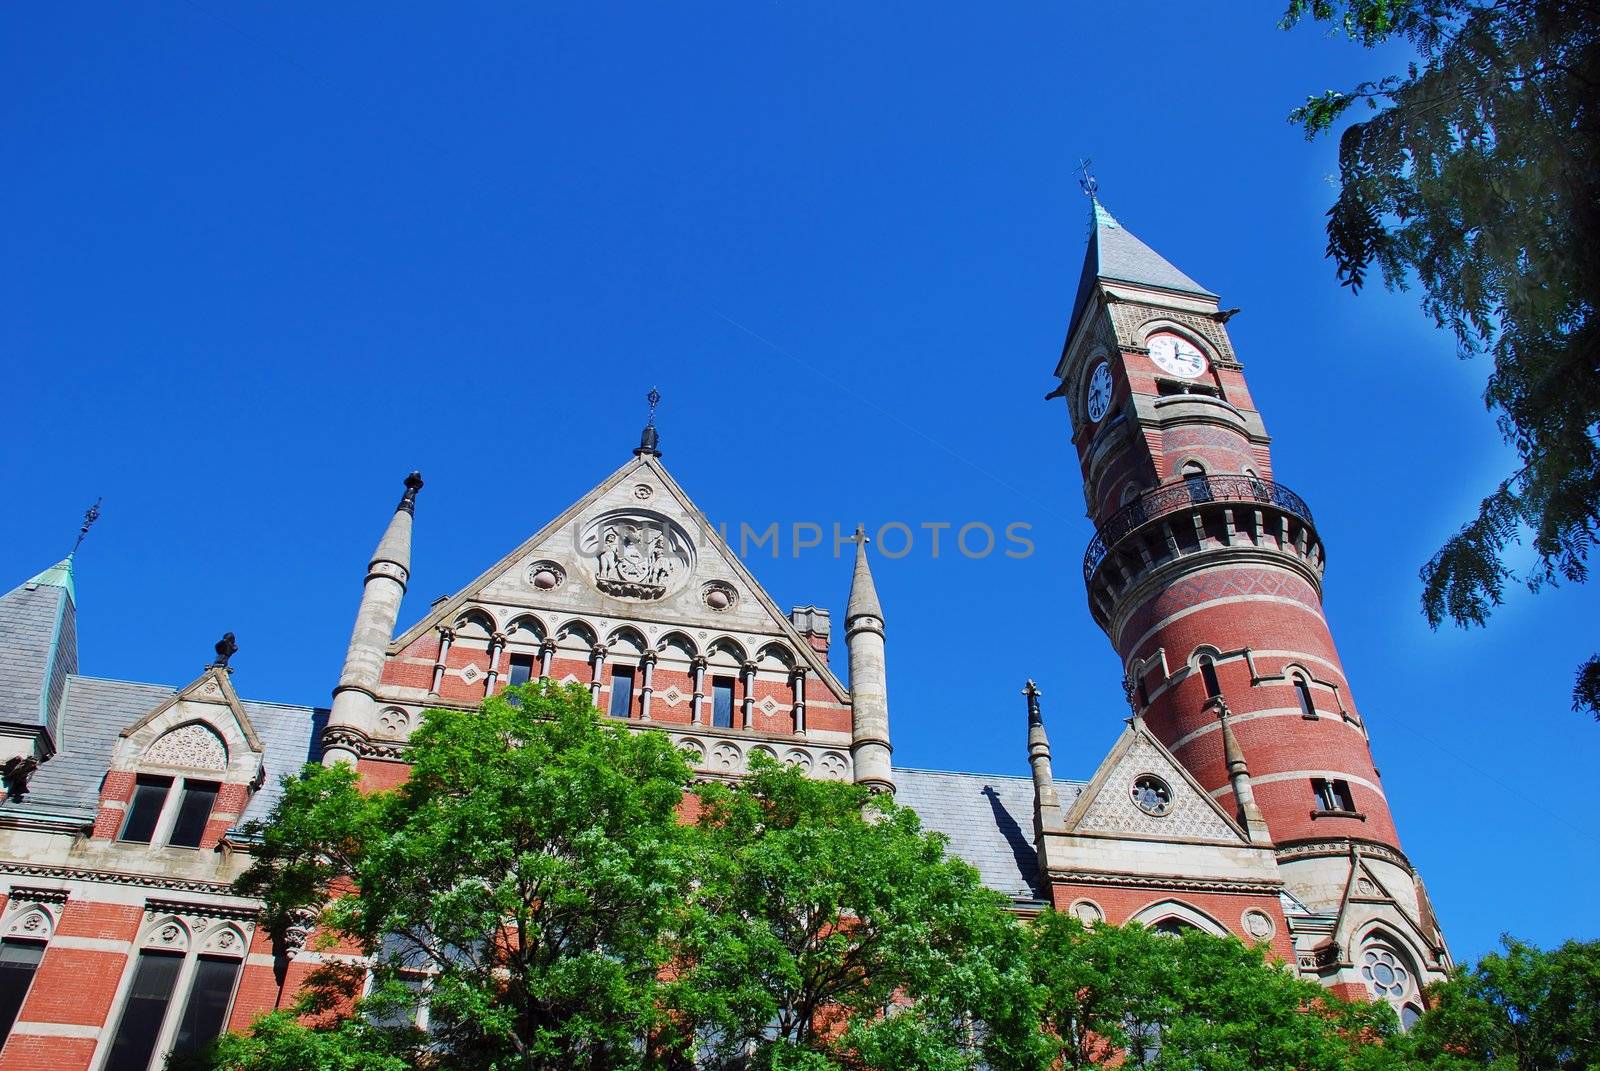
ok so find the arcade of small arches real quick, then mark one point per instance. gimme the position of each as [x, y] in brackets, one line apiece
[622, 666]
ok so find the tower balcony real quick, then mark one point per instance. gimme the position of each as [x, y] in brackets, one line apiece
[1201, 515]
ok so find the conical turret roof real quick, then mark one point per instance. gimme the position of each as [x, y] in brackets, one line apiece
[863, 593]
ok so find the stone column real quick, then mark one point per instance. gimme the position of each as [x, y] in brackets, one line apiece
[597, 663]
[647, 665]
[797, 681]
[698, 665]
[446, 637]
[497, 645]
[747, 707]
[547, 651]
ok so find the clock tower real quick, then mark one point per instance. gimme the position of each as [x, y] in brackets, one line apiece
[1206, 573]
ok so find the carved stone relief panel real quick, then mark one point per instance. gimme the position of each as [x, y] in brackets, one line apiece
[636, 554]
[192, 746]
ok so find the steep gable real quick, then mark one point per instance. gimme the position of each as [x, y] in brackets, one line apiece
[600, 557]
[1107, 805]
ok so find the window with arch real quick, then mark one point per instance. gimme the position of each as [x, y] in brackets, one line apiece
[1192, 470]
[1208, 676]
[27, 931]
[1302, 691]
[1389, 976]
[178, 994]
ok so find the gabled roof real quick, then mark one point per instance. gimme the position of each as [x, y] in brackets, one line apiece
[716, 562]
[1115, 254]
[95, 712]
[987, 818]
[1105, 807]
[38, 647]
[213, 687]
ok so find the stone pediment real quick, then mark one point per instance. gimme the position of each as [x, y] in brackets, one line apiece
[202, 726]
[635, 548]
[1140, 790]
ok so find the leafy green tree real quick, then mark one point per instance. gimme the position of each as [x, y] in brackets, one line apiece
[1125, 996]
[831, 931]
[530, 869]
[1477, 174]
[1521, 1010]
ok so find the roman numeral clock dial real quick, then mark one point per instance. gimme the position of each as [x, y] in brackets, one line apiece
[1098, 398]
[1177, 356]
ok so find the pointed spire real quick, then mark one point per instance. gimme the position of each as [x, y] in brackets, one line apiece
[649, 440]
[59, 575]
[863, 593]
[1239, 776]
[395, 546]
[1046, 802]
[1116, 255]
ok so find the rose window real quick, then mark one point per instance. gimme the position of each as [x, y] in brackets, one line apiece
[1384, 973]
[1152, 795]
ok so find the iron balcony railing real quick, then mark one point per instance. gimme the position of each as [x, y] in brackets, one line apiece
[1173, 497]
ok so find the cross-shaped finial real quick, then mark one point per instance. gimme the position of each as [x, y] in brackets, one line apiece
[1031, 690]
[90, 515]
[1090, 184]
[861, 535]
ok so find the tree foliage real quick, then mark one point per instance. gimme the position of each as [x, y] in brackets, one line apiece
[830, 931]
[1520, 1010]
[531, 868]
[1477, 174]
[1126, 996]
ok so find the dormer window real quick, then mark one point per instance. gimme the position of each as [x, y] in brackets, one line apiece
[154, 805]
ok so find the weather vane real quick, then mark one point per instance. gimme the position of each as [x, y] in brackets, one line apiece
[1090, 184]
[90, 515]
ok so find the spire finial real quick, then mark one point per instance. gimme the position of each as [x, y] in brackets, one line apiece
[90, 515]
[1090, 184]
[1031, 690]
[861, 538]
[649, 441]
[408, 501]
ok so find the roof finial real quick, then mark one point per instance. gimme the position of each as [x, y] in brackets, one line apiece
[90, 515]
[226, 648]
[408, 501]
[1090, 184]
[649, 440]
[1031, 690]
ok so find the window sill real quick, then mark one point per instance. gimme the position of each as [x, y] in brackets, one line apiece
[1357, 815]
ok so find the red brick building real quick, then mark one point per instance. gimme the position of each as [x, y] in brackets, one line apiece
[1242, 797]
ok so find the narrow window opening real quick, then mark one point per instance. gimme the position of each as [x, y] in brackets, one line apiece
[722, 702]
[1144, 692]
[621, 692]
[521, 670]
[18, 962]
[206, 1012]
[144, 810]
[1308, 709]
[1332, 795]
[144, 1010]
[194, 809]
[1208, 675]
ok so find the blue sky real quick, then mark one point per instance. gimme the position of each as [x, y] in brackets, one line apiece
[262, 262]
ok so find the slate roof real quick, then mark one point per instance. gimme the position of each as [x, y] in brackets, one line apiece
[988, 819]
[1115, 254]
[97, 710]
[38, 647]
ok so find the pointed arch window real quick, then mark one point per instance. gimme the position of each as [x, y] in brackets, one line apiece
[1302, 691]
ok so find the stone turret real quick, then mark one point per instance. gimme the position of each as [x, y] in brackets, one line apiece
[869, 693]
[355, 699]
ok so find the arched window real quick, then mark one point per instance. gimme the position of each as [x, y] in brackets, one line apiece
[1208, 675]
[1192, 470]
[1388, 974]
[1302, 690]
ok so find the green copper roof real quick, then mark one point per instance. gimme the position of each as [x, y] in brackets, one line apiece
[58, 575]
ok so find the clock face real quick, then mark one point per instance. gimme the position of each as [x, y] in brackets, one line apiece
[1099, 397]
[1177, 356]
